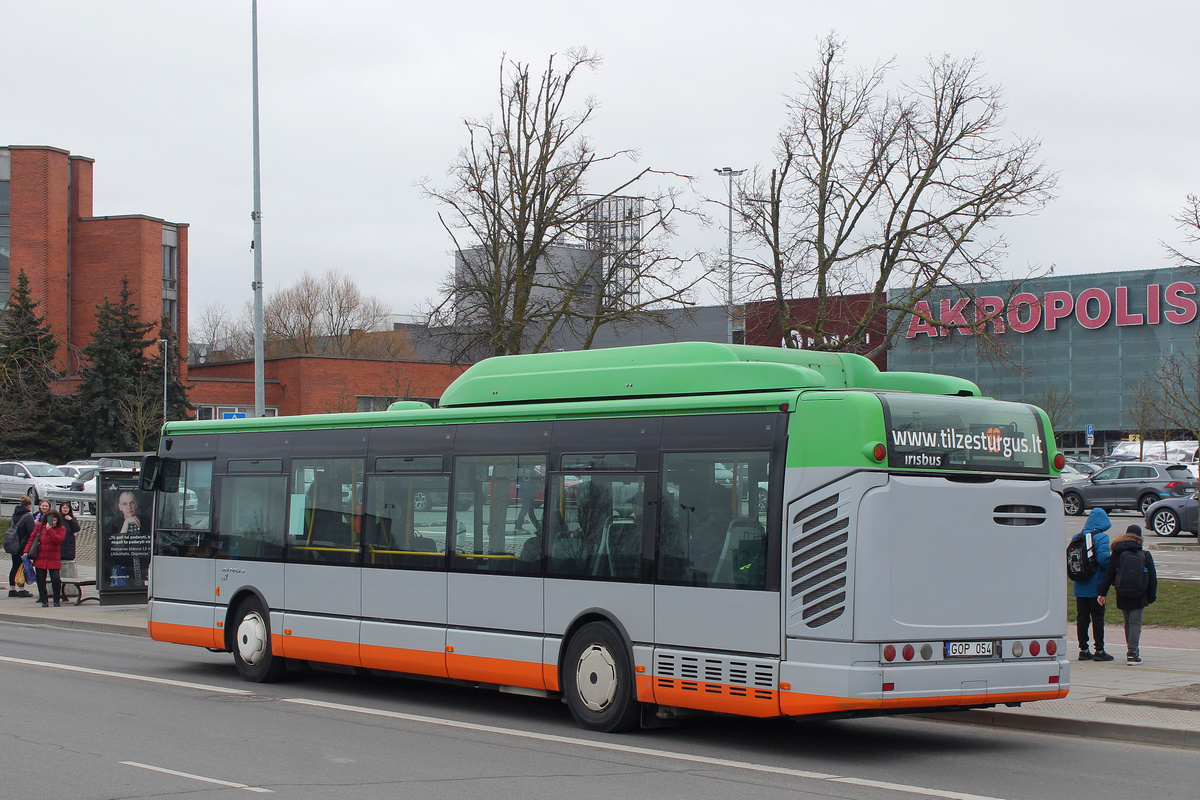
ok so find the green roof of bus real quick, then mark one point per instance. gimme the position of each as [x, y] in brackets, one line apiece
[684, 368]
[641, 379]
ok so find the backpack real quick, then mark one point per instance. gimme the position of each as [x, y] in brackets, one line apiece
[12, 545]
[1081, 558]
[1132, 575]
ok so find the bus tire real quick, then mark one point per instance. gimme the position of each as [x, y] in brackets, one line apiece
[252, 644]
[598, 680]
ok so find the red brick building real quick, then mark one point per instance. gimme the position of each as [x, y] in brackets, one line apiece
[74, 260]
[312, 384]
[843, 313]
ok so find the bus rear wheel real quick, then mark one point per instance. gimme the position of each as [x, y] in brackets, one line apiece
[252, 644]
[598, 680]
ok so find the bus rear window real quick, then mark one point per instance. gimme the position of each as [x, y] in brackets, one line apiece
[963, 433]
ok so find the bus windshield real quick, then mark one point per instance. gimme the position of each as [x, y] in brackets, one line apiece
[961, 433]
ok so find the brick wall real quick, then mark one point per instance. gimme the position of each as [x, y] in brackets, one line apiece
[40, 226]
[318, 384]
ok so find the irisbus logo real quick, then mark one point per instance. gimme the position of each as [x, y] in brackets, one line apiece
[1092, 308]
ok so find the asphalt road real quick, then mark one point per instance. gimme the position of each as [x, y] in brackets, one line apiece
[91, 715]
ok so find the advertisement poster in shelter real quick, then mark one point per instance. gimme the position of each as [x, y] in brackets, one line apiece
[123, 527]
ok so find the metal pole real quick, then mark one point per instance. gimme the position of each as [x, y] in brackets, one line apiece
[259, 367]
[729, 296]
[730, 174]
[163, 342]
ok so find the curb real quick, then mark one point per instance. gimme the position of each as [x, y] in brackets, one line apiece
[1176, 705]
[78, 624]
[1186, 738]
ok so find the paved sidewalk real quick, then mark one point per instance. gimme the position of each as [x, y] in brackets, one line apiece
[1103, 702]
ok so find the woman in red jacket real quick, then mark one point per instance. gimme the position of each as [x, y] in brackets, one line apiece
[50, 533]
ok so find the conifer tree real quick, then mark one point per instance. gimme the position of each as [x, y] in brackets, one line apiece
[34, 421]
[117, 370]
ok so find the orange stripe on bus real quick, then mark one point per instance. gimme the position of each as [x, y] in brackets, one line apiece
[185, 634]
[970, 699]
[796, 704]
[501, 671]
[401, 659]
[322, 650]
[744, 700]
[550, 676]
[645, 688]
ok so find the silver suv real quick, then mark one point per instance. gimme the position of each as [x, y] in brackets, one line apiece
[1133, 484]
[30, 478]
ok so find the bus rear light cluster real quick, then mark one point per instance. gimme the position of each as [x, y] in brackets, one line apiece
[1060, 461]
[1034, 648]
[908, 652]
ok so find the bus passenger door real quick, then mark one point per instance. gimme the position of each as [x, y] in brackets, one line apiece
[711, 590]
[494, 588]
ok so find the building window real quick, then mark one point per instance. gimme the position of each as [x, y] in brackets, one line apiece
[170, 313]
[170, 267]
[232, 412]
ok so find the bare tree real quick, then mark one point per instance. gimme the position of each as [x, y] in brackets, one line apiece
[140, 412]
[1059, 405]
[893, 196]
[538, 253]
[1189, 221]
[1146, 415]
[328, 315]
[224, 336]
[1175, 381]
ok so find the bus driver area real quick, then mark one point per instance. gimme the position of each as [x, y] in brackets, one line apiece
[647, 531]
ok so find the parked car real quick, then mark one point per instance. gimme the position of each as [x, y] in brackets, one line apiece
[80, 472]
[1169, 517]
[1133, 485]
[29, 478]
[1086, 467]
[1067, 475]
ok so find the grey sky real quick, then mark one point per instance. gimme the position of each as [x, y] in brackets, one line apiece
[360, 99]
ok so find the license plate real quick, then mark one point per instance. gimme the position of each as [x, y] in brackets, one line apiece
[969, 649]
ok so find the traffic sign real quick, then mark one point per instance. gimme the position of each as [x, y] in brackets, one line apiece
[234, 415]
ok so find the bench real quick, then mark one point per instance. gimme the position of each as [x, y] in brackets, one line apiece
[78, 584]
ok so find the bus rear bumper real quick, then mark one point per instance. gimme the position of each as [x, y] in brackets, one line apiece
[807, 688]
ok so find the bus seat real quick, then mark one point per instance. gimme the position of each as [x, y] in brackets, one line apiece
[618, 556]
[743, 533]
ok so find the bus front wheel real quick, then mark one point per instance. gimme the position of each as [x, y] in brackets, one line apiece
[252, 644]
[598, 680]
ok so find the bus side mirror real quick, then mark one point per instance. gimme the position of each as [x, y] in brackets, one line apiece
[151, 470]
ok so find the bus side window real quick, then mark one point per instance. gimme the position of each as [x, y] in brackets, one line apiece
[252, 516]
[712, 523]
[489, 530]
[404, 522]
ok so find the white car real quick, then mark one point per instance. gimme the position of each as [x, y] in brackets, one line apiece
[32, 479]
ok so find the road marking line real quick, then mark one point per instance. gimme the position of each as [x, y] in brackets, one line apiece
[544, 737]
[644, 751]
[128, 676]
[177, 773]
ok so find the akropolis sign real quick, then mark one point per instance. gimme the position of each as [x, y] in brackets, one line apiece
[1025, 312]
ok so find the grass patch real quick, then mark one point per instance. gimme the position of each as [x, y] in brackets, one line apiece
[1177, 606]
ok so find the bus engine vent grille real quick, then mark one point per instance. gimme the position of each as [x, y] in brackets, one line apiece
[819, 553]
[715, 674]
[1019, 515]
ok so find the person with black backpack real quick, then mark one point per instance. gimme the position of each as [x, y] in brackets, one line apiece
[1131, 572]
[1087, 576]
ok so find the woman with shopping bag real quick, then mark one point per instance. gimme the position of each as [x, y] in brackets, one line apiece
[44, 550]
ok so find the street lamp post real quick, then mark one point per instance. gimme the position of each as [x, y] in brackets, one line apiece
[163, 342]
[729, 173]
[257, 284]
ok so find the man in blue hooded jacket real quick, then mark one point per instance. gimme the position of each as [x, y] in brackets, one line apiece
[1087, 603]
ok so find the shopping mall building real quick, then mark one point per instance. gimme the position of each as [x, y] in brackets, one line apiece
[1094, 337]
